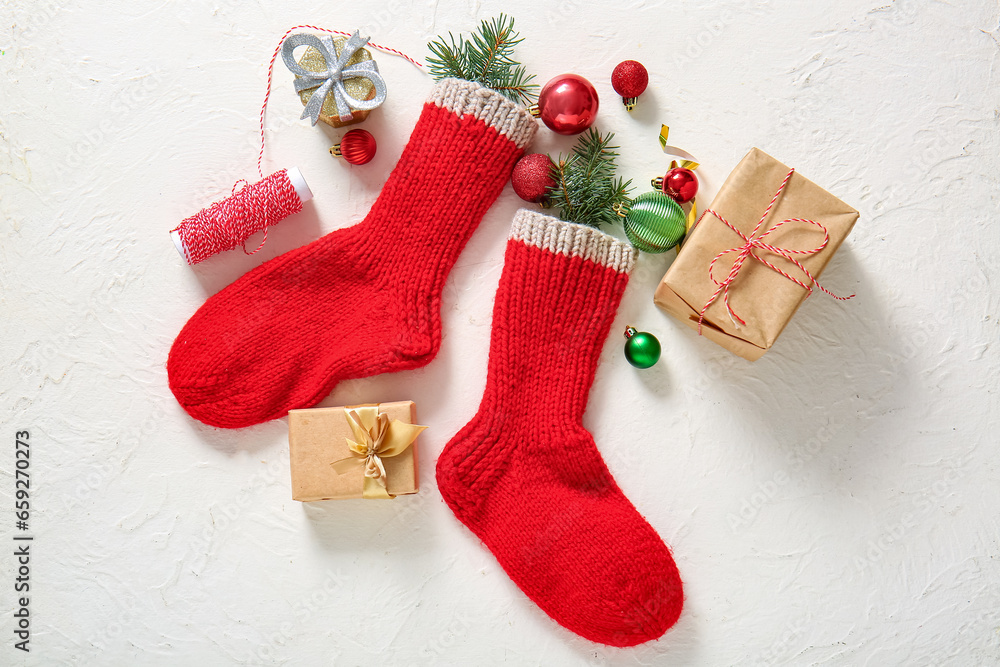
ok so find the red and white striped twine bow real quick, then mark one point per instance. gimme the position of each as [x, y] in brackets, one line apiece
[754, 242]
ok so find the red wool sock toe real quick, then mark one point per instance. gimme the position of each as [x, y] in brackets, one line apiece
[362, 300]
[526, 477]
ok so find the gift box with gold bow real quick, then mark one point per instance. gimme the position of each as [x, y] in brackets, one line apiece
[363, 451]
[754, 255]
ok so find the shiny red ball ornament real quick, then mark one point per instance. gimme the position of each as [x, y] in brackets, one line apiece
[629, 79]
[568, 104]
[680, 184]
[532, 177]
[357, 147]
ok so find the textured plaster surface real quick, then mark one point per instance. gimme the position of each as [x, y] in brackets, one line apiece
[833, 504]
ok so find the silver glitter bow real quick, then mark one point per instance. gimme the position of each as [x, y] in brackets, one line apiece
[332, 78]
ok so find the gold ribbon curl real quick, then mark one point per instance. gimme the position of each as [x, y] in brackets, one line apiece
[375, 438]
[686, 160]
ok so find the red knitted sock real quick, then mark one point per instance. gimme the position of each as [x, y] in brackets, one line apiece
[361, 300]
[526, 477]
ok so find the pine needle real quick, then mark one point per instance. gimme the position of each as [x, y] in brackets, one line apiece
[586, 189]
[484, 58]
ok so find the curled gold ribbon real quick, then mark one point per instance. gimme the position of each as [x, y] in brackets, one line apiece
[332, 78]
[375, 438]
[687, 160]
[692, 217]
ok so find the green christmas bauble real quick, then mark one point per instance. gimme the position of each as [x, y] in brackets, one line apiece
[642, 350]
[654, 223]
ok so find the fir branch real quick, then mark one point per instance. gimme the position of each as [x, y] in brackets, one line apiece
[484, 58]
[586, 190]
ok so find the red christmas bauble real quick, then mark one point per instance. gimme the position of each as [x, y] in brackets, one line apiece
[629, 78]
[680, 184]
[357, 147]
[568, 104]
[532, 177]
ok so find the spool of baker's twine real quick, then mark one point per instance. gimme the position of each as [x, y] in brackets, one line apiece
[251, 208]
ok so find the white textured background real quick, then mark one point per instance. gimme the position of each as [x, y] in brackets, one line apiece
[833, 504]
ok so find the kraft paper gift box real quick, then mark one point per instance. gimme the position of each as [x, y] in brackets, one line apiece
[762, 297]
[325, 467]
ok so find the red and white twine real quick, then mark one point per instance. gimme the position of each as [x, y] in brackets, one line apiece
[270, 73]
[227, 224]
[753, 242]
[251, 208]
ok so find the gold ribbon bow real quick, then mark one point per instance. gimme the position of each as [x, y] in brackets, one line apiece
[375, 438]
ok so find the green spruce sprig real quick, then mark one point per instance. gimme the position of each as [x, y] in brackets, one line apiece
[484, 58]
[586, 190]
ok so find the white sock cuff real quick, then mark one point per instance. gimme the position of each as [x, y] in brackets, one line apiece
[467, 98]
[571, 239]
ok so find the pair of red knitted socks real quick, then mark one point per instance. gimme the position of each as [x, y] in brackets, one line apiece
[523, 475]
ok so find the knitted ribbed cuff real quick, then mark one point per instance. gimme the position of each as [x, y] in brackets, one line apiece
[572, 240]
[468, 98]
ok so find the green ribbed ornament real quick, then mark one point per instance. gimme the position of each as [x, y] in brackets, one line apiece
[654, 223]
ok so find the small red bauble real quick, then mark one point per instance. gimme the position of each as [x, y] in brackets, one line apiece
[532, 177]
[568, 104]
[629, 79]
[357, 147]
[680, 184]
